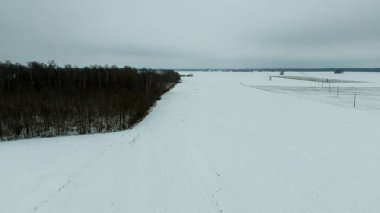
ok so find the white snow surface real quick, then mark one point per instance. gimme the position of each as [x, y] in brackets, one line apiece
[212, 144]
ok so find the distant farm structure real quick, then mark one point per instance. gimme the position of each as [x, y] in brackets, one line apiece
[187, 75]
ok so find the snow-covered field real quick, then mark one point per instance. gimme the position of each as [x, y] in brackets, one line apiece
[218, 142]
[364, 96]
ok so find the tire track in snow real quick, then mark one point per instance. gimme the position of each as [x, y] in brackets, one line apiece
[87, 165]
[215, 201]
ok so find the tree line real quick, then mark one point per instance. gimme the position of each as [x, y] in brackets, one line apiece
[44, 100]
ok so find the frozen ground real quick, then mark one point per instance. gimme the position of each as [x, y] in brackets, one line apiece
[364, 95]
[215, 143]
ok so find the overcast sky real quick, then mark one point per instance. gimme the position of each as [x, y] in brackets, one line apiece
[192, 33]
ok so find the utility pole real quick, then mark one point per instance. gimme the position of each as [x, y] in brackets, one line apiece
[337, 92]
[355, 100]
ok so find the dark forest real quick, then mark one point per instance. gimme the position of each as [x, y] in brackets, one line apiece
[45, 100]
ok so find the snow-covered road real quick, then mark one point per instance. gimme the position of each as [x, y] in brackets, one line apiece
[210, 145]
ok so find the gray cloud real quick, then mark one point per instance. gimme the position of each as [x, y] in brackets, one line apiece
[207, 33]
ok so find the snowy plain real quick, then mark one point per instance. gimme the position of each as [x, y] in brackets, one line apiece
[217, 142]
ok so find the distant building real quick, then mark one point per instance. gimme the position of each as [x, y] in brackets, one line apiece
[187, 75]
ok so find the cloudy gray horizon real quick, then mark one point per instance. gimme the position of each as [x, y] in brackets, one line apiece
[192, 34]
